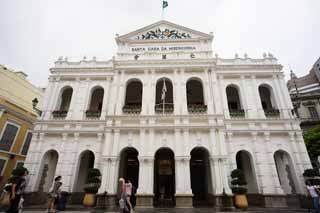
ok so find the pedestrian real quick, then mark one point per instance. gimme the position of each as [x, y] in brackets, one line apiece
[54, 195]
[22, 188]
[16, 191]
[313, 192]
[123, 197]
[133, 196]
[129, 194]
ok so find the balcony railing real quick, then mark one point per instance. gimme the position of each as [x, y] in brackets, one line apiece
[237, 113]
[132, 108]
[197, 108]
[59, 113]
[93, 113]
[272, 113]
[164, 108]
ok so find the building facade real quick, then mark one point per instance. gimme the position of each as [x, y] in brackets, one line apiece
[173, 119]
[16, 119]
[305, 96]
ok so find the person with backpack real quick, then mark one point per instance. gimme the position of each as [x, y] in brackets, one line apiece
[17, 188]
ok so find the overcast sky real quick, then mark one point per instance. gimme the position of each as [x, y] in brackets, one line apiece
[34, 33]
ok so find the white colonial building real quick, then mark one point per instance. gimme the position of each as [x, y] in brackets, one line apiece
[174, 119]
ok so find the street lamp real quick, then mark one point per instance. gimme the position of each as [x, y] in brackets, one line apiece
[34, 106]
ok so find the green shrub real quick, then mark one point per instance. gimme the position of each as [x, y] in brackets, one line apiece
[93, 182]
[238, 182]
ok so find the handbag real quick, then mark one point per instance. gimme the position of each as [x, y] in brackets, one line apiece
[5, 199]
[121, 203]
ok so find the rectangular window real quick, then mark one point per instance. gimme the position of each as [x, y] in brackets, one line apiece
[313, 112]
[19, 165]
[26, 144]
[8, 137]
[2, 164]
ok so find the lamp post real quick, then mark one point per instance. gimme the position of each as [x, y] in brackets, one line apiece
[34, 106]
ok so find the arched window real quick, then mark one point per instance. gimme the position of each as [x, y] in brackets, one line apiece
[133, 101]
[268, 102]
[63, 103]
[234, 103]
[96, 101]
[195, 98]
[164, 96]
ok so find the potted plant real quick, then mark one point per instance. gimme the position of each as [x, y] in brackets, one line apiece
[239, 189]
[92, 186]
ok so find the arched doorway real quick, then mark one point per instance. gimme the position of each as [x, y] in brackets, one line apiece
[164, 96]
[85, 162]
[48, 170]
[201, 180]
[164, 178]
[245, 163]
[129, 166]
[65, 99]
[285, 170]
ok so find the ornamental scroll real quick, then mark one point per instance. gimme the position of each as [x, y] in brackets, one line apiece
[163, 34]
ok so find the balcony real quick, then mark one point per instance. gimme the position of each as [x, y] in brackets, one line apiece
[164, 108]
[237, 113]
[132, 108]
[272, 113]
[93, 114]
[59, 114]
[197, 108]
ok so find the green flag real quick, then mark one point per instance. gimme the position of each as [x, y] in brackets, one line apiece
[164, 4]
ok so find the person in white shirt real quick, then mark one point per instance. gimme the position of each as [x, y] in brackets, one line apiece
[313, 192]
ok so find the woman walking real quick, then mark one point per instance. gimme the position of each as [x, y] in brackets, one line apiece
[54, 195]
[123, 203]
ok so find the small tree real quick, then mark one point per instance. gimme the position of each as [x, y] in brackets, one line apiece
[312, 175]
[312, 141]
[238, 182]
[93, 182]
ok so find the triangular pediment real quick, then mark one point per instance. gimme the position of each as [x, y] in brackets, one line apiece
[164, 30]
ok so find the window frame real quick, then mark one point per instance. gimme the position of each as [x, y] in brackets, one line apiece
[15, 138]
[24, 141]
[5, 164]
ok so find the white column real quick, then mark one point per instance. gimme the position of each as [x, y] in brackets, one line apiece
[176, 92]
[73, 156]
[223, 94]
[243, 96]
[285, 94]
[46, 100]
[278, 97]
[256, 101]
[183, 93]
[113, 94]
[53, 99]
[111, 171]
[106, 99]
[258, 159]
[145, 93]
[116, 141]
[182, 176]
[72, 112]
[297, 164]
[146, 175]
[120, 95]
[208, 93]
[217, 96]
[152, 92]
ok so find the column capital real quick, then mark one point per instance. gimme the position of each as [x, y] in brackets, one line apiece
[182, 158]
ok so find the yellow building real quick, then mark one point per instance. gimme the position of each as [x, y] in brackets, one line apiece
[17, 118]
